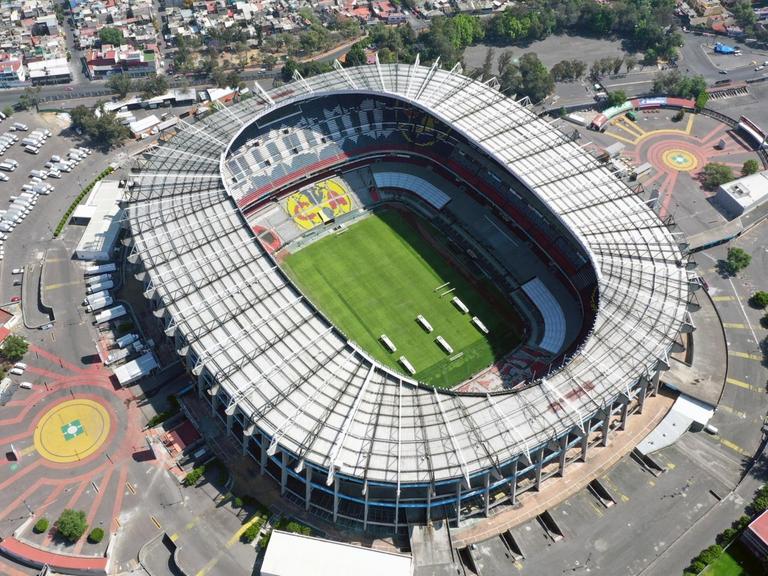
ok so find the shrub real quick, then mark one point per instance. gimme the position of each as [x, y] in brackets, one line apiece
[14, 348]
[71, 525]
[251, 532]
[749, 167]
[759, 299]
[96, 536]
[158, 418]
[237, 502]
[264, 540]
[41, 526]
[737, 260]
[728, 535]
[714, 174]
[194, 477]
[711, 554]
[86, 190]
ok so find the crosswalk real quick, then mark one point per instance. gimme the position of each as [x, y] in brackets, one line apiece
[729, 93]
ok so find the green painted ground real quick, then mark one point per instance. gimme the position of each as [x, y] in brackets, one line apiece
[376, 277]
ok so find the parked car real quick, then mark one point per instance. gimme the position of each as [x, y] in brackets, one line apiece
[15, 299]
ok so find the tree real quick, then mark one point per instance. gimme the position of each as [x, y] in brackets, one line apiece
[616, 98]
[96, 535]
[71, 525]
[270, 60]
[356, 56]
[120, 84]
[111, 36]
[714, 175]
[749, 167]
[673, 83]
[154, 85]
[736, 261]
[14, 348]
[759, 299]
[630, 63]
[8, 111]
[30, 98]
[105, 130]
[41, 526]
[505, 61]
[528, 78]
[701, 100]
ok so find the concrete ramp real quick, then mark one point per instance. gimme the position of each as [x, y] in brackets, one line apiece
[685, 412]
[432, 551]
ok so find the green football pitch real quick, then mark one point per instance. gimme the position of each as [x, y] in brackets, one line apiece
[380, 273]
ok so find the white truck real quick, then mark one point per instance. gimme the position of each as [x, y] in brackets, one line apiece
[126, 340]
[99, 286]
[91, 280]
[110, 314]
[100, 268]
[99, 304]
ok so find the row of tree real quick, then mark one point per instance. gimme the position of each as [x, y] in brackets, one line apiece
[151, 86]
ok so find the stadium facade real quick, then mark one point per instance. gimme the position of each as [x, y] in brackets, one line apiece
[343, 436]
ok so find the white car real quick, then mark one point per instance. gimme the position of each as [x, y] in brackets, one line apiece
[25, 385]
[3, 178]
[17, 271]
[20, 365]
[54, 174]
[17, 371]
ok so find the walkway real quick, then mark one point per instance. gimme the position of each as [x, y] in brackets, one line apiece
[578, 475]
[37, 558]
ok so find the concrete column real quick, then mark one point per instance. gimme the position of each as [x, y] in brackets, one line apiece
[624, 413]
[246, 439]
[606, 427]
[487, 493]
[513, 484]
[200, 387]
[539, 465]
[365, 512]
[283, 472]
[563, 452]
[458, 503]
[230, 417]
[429, 504]
[335, 498]
[263, 459]
[213, 404]
[585, 444]
[642, 394]
[307, 487]
[655, 383]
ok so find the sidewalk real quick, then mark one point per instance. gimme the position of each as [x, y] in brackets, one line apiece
[66, 564]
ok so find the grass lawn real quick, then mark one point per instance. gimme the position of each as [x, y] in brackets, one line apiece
[736, 561]
[381, 273]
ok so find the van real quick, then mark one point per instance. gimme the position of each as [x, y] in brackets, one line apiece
[32, 149]
[7, 167]
[17, 371]
[20, 127]
[12, 162]
[38, 174]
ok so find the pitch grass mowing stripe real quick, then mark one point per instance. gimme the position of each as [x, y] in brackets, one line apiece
[376, 277]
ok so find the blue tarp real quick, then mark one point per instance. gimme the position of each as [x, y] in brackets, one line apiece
[721, 48]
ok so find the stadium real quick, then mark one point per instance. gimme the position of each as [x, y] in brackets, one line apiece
[403, 293]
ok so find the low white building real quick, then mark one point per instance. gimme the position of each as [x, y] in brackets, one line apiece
[143, 127]
[296, 555]
[136, 369]
[53, 71]
[742, 195]
[104, 212]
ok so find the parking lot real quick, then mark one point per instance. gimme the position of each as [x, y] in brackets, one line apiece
[28, 241]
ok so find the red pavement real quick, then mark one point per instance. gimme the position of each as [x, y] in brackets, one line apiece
[37, 558]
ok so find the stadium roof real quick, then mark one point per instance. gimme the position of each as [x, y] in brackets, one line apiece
[315, 394]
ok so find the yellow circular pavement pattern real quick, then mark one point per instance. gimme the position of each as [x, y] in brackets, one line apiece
[680, 160]
[72, 430]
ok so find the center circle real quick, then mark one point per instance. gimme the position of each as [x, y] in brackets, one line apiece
[72, 430]
[680, 160]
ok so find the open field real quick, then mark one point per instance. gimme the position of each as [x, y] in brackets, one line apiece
[378, 275]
